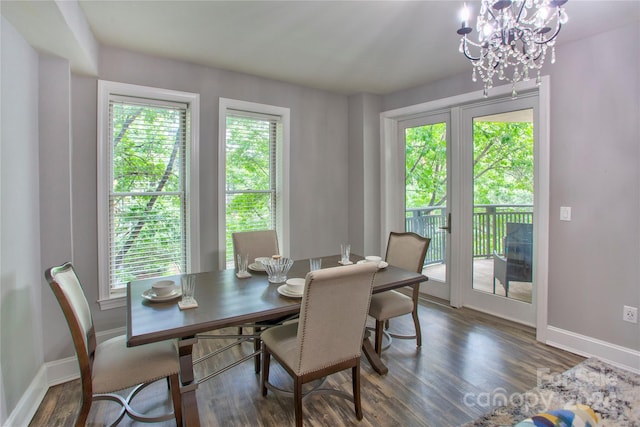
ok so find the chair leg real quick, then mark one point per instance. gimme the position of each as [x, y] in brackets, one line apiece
[416, 322]
[506, 288]
[256, 347]
[84, 413]
[87, 400]
[266, 358]
[297, 400]
[355, 379]
[378, 337]
[174, 385]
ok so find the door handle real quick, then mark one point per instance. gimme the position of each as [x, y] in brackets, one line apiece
[448, 226]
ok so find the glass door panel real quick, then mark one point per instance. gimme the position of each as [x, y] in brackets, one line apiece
[503, 204]
[427, 191]
[499, 146]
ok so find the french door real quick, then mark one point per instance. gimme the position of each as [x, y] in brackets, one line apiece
[427, 207]
[469, 185]
[497, 232]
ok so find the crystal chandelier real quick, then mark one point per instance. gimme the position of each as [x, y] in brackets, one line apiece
[513, 37]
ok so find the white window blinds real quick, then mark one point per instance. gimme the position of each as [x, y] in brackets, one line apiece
[251, 173]
[147, 197]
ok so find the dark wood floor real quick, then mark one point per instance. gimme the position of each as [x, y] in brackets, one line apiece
[467, 357]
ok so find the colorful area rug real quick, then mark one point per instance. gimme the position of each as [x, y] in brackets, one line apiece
[613, 393]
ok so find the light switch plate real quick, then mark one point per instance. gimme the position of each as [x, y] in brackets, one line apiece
[565, 213]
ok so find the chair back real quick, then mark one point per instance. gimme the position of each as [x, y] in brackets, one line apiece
[333, 313]
[70, 295]
[407, 250]
[256, 244]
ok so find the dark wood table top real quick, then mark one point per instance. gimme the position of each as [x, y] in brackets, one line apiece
[224, 300]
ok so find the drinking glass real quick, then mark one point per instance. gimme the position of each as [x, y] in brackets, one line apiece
[243, 263]
[188, 288]
[315, 264]
[345, 252]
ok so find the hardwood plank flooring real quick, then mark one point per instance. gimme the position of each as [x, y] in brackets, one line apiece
[467, 359]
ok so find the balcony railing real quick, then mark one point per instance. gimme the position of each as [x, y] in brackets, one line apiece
[489, 227]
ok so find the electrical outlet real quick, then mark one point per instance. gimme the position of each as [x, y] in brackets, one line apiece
[630, 314]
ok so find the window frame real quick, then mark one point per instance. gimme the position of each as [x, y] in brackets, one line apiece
[106, 89]
[282, 178]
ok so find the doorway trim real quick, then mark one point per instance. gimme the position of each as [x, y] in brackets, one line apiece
[391, 215]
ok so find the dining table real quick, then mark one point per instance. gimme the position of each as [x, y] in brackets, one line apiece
[224, 300]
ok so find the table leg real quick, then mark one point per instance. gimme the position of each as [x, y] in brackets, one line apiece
[372, 356]
[188, 385]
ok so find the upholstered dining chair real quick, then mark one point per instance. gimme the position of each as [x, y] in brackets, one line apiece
[111, 366]
[328, 336]
[258, 243]
[404, 250]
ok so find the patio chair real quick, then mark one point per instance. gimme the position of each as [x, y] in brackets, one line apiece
[328, 337]
[111, 366]
[517, 264]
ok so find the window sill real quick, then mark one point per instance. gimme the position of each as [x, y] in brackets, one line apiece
[115, 302]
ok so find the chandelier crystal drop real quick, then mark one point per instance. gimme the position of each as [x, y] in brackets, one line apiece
[513, 36]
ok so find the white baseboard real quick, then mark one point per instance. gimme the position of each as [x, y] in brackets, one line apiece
[583, 345]
[435, 289]
[62, 371]
[49, 375]
[30, 401]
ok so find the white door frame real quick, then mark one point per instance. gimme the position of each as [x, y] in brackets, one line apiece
[391, 175]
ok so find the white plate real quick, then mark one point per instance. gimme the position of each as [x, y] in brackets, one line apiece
[150, 295]
[284, 290]
[381, 264]
[256, 267]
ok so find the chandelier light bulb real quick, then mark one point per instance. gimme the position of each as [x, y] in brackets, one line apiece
[487, 30]
[543, 13]
[465, 14]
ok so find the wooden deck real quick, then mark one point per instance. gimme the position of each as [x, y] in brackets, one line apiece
[483, 280]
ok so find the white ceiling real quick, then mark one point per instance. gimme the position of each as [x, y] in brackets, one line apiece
[343, 46]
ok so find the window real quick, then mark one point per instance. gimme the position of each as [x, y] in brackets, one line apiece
[147, 212]
[253, 172]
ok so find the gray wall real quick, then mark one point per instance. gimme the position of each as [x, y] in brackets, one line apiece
[594, 168]
[20, 276]
[319, 155]
[364, 174]
[595, 162]
[594, 260]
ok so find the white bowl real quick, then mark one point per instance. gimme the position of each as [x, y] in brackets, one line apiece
[295, 285]
[373, 258]
[163, 287]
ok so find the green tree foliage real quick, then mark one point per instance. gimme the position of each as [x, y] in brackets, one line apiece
[249, 179]
[426, 166]
[502, 165]
[147, 199]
